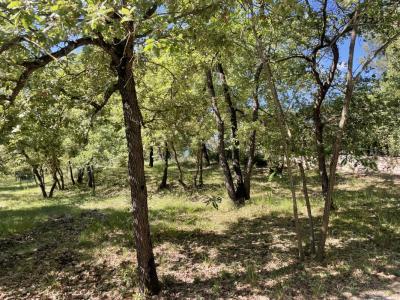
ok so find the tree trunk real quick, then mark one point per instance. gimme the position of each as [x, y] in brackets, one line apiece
[163, 183]
[90, 176]
[240, 187]
[81, 172]
[71, 173]
[60, 172]
[221, 141]
[199, 171]
[151, 157]
[320, 149]
[147, 274]
[55, 182]
[253, 136]
[201, 168]
[287, 143]
[41, 182]
[93, 181]
[205, 154]
[178, 166]
[350, 82]
[308, 205]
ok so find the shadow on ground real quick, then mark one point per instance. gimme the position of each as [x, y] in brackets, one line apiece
[252, 257]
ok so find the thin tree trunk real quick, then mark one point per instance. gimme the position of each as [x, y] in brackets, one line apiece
[34, 177]
[60, 172]
[308, 205]
[71, 173]
[151, 157]
[240, 187]
[163, 183]
[90, 176]
[178, 166]
[287, 138]
[55, 182]
[253, 136]
[205, 154]
[320, 149]
[197, 170]
[221, 141]
[338, 141]
[147, 274]
[93, 181]
[200, 167]
[41, 182]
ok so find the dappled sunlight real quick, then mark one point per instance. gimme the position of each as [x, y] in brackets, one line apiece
[83, 244]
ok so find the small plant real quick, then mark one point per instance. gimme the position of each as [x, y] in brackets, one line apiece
[251, 274]
[213, 200]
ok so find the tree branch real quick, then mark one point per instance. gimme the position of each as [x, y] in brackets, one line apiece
[31, 66]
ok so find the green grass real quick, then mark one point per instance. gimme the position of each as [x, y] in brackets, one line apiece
[80, 243]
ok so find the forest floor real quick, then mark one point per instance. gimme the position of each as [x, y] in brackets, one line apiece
[80, 246]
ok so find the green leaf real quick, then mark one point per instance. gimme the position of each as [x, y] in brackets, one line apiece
[25, 22]
[124, 11]
[14, 4]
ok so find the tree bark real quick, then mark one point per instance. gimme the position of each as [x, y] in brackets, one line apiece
[81, 172]
[55, 182]
[164, 179]
[41, 182]
[151, 157]
[253, 136]
[308, 205]
[180, 180]
[205, 154]
[240, 187]
[147, 274]
[201, 168]
[221, 141]
[320, 149]
[71, 173]
[93, 181]
[61, 174]
[350, 82]
[90, 176]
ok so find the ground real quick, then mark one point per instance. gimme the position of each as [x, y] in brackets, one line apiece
[80, 246]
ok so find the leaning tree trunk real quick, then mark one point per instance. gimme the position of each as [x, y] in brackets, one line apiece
[55, 182]
[42, 185]
[164, 179]
[147, 274]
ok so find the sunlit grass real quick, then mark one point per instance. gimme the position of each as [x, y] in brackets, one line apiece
[251, 245]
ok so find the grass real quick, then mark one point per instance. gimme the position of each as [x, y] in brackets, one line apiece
[80, 245]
